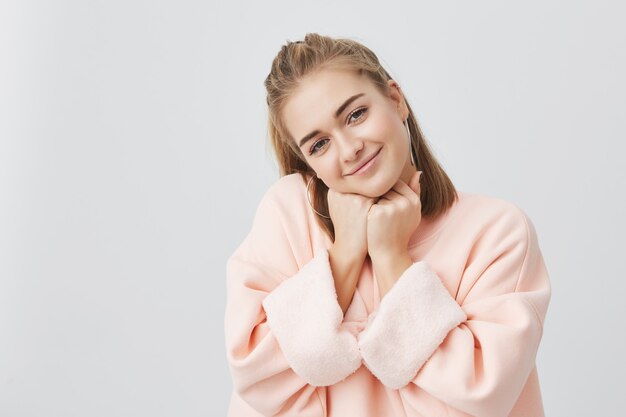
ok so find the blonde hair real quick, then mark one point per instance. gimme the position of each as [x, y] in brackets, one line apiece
[297, 59]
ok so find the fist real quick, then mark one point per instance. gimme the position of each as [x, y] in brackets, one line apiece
[394, 218]
[349, 213]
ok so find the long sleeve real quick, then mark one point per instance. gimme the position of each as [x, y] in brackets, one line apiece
[283, 324]
[473, 352]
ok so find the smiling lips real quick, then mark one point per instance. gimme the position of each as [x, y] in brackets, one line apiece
[366, 164]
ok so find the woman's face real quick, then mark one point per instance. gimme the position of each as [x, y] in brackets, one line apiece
[351, 134]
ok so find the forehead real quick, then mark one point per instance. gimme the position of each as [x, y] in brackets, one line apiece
[313, 103]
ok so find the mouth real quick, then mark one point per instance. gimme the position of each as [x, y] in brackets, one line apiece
[366, 164]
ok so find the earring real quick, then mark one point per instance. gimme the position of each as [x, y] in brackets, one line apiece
[308, 196]
[408, 132]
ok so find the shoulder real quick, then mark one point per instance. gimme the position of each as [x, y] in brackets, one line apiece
[285, 205]
[499, 245]
[286, 187]
[283, 229]
[488, 208]
[287, 194]
[494, 219]
[276, 244]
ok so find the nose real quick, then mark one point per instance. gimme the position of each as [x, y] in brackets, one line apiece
[349, 148]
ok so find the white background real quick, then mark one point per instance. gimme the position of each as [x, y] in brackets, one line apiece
[133, 154]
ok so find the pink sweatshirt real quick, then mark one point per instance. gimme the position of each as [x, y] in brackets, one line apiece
[457, 335]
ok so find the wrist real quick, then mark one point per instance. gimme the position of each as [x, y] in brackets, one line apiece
[389, 268]
[389, 256]
[346, 268]
[347, 253]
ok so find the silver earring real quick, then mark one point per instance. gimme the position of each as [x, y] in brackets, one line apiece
[308, 196]
[408, 132]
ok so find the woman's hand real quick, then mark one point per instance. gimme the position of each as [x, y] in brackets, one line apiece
[390, 224]
[393, 219]
[347, 254]
[349, 214]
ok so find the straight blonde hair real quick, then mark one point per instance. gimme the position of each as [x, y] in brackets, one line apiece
[297, 59]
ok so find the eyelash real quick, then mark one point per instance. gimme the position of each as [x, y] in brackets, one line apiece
[360, 111]
[363, 110]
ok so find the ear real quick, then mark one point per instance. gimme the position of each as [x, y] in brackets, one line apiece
[395, 94]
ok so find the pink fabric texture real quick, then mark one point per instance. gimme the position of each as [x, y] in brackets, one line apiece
[411, 322]
[306, 320]
[457, 335]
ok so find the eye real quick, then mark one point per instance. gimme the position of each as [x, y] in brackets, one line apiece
[357, 114]
[315, 148]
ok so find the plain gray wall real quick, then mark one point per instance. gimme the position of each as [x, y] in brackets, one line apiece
[133, 155]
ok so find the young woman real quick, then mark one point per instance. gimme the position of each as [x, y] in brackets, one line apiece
[368, 286]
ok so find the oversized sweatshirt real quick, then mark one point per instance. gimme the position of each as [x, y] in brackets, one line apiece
[457, 334]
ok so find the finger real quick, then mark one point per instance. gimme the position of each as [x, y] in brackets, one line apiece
[406, 190]
[414, 182]
[390, 197]
[400, 191]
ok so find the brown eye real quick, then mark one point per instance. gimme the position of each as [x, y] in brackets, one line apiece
[315, 148]
[357, 114]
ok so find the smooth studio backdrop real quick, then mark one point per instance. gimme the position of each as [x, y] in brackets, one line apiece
[133, 154]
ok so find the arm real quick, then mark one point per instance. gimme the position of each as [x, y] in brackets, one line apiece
[346, 270]
[474, 354]
[387, 271]
[283, 324]
[349, 213]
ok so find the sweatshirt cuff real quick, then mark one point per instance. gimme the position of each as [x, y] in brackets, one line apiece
[305, 317]
[413, 319]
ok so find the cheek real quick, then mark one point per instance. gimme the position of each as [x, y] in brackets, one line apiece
[385, 125]
[327, 168]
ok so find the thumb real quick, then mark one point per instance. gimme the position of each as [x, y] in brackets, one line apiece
[414, 182]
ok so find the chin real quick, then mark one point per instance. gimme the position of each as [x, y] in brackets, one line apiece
[378, 188]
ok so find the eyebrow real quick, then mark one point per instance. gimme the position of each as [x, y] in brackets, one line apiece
[337, 114]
